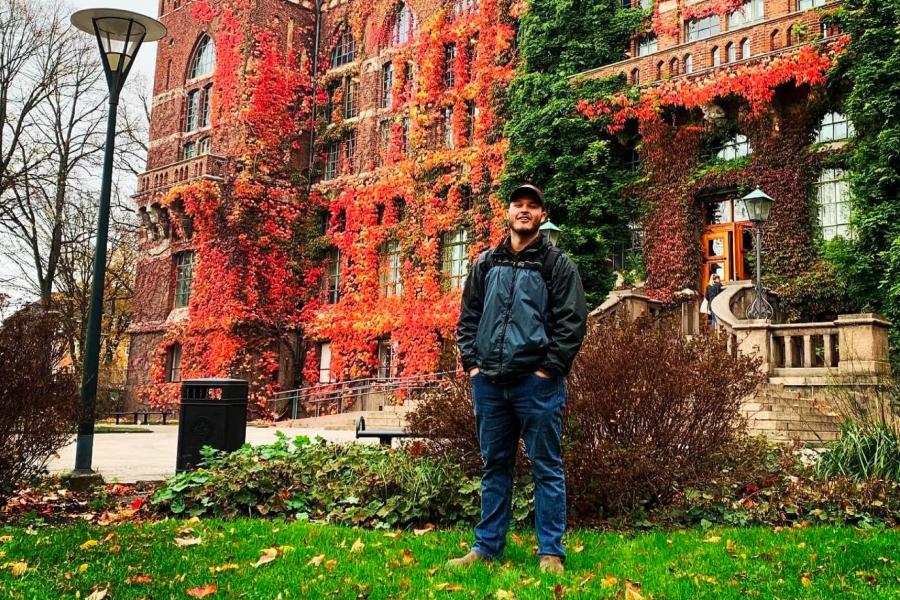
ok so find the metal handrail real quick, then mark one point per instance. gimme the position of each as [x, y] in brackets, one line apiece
[321, 394]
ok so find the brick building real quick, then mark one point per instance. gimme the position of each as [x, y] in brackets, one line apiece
[185, 146]
[696, 49]
[406, 159]
[367, 136]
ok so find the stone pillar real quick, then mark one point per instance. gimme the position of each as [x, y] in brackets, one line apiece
[863, 344]
[753, 339]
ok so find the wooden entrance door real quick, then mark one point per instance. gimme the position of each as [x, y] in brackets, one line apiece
[726, 241]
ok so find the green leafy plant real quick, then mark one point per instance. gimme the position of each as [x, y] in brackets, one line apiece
[870, 451]
[353, 484]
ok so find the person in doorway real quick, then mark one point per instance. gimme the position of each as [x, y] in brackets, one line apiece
[713, 289]
[522, 322]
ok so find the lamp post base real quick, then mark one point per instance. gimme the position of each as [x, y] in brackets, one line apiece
[81, 481]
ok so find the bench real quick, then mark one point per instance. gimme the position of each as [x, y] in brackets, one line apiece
[145, 413]
[385, 436]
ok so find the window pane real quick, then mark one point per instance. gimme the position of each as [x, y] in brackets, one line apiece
[184, 270]
[387, 83]
[204, 58]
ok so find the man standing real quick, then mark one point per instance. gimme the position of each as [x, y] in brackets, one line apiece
[522, 322]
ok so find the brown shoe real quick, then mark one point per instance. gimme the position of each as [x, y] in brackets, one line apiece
[466, 561]
[551, 564]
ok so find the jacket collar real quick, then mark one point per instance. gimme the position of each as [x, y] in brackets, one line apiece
[535, 248]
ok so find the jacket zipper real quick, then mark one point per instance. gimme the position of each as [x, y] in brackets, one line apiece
[512, 289]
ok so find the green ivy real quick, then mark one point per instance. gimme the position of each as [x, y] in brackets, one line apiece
[572, 158]
[871, 65]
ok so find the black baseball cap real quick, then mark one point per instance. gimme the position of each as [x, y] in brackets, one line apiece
[526, 189]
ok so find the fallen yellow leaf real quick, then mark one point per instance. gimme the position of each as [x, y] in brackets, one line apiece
[81, 568]
[578, 548]
[424, 530]
[609, 580]
[182, 542]
[315, 561]
[805, 581]
[357, 546]
[448, 587]
[203, 591]
[98, 594]
[504, 595]
[713, 539]
[18, 568]
[268, 555]
[225, 567]
[633, 591]
[88, 544]
[5, 538]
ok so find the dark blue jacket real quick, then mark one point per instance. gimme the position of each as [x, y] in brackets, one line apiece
[513, 322]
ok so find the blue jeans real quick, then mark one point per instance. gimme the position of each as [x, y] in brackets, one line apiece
[530, 408]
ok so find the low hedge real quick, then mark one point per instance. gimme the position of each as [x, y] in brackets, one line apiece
[354, 484]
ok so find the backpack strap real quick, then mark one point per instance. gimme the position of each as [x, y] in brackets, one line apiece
[489, 260]
[550, 259]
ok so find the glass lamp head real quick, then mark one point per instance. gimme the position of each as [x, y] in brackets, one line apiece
[119, 34]
[551, 231]
[758, 204]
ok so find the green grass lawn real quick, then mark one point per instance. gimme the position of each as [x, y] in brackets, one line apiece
[319, 561]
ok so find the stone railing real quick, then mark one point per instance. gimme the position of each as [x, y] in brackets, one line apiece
[633, 304]
[853, 345]
[208, 166]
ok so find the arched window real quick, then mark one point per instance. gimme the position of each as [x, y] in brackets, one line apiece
[834, 126]
[737, 147]
[745, 48]
[715, 57]
[773, 40]
[688, 64]
[402, 26]
[673, 66]
[204, 59]
[635, 76]
[659, 69]
[344, 51]
[731, 51]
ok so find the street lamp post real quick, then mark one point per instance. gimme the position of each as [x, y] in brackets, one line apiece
[551, 231]
[119, 34]
[758, 204]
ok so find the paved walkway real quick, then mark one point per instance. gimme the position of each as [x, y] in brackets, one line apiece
[130, 457]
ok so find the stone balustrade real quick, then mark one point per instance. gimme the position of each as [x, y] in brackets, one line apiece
[852, 345]
[209, 166]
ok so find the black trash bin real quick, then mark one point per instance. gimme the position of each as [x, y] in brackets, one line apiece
[213, 413]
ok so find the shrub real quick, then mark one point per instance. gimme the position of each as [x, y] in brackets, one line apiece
[354, 484]
[37, 398]
[444, 417]
[649, 413]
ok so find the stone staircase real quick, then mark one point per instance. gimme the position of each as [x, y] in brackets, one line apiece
[392, 417]
[786, 414]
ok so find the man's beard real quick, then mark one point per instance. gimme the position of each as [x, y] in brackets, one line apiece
[521, 230]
